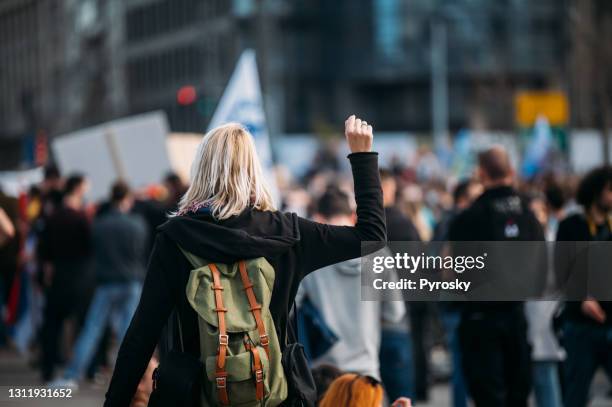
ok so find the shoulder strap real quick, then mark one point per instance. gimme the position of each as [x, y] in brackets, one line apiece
[220, 373]
[255, 308]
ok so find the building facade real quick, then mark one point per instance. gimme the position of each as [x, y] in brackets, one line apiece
[69, 64]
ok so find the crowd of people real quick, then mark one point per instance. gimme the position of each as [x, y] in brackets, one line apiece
[73, 273]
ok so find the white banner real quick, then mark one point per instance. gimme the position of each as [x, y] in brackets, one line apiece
[132, 149]
[242, 102]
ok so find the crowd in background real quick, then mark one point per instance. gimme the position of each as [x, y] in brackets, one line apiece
[72, 273]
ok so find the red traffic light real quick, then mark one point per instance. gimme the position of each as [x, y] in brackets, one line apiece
[186, 95]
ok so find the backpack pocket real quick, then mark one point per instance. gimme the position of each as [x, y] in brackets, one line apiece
[241, 385]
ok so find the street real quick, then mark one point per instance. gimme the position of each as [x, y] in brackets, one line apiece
[15, 371]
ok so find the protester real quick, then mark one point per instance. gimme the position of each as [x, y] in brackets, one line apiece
[546, 352]
[354, 390]
[64, 248]
[555, 207]
[398, 349]
[175, 190]
[493, 336]
[7, 233]
[587, 325]
[51, 190]
[119, 240]
[335, 292]
[226, 215]
[10, 236]
[464, 195]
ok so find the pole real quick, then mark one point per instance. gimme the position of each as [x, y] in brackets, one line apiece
[439, 84]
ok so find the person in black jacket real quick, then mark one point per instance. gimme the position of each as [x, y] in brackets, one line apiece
[227, 215]
[118, 244]
[587, 327]
[464, 194]
[493, 336]
[403, 348]
[64, 248]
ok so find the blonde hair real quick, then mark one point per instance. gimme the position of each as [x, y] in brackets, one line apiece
[226, 175]
[353, 390]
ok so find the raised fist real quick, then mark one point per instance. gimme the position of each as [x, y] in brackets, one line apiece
[358, 134]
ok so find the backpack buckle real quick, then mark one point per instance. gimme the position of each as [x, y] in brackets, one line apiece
[259, 376]
[221, 382]
[223, 340]
[264, 340]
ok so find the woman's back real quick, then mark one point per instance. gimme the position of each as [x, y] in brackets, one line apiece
[292, 245]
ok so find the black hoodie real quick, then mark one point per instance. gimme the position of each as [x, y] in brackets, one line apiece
[293, 245]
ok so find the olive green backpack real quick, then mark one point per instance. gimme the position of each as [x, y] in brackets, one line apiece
[239, 346]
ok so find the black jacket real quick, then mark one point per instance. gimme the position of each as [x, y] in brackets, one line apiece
[293, 245]
[399, 227]
[499, 214]
[575, 228]
[486, 220]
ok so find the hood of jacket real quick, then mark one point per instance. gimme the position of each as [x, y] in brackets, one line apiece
[249, 235]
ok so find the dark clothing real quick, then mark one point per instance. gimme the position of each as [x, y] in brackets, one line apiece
[588, 348]
[154, 215]
[293, 246]
[442, 229]
[495, 358]
[493, 335]
[399, 227]
[119, 243]
[499, 214]
[575, 228]
[66, 236]
[587, 342]
[9, 251]
[65, 242]
[67, 297]
[488, 217]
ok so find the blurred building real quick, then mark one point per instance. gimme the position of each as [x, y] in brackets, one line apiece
[67, 64]
[374, 57]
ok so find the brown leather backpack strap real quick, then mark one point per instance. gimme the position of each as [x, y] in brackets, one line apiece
[254, 307]
[220, 373]
[257, 373]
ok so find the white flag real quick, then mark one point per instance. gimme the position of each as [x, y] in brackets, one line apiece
[242, 102]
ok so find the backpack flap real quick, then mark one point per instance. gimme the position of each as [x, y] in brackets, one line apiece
[202, 298]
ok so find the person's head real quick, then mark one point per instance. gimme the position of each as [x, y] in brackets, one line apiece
[226, 174]
[389, 187]
[75, 188]
[174, 184]
[323, 376]
[353, 390]
[595, 190]
[465, 193]
[495, 168]
[334, 208]
[121, 197]
[52, 178]
[555, 197]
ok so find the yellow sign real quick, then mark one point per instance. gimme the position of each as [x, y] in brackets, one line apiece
[531, 104]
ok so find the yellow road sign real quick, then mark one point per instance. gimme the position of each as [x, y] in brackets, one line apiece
[551, 104]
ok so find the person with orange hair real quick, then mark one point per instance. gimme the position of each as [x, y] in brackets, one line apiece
[353, 390]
